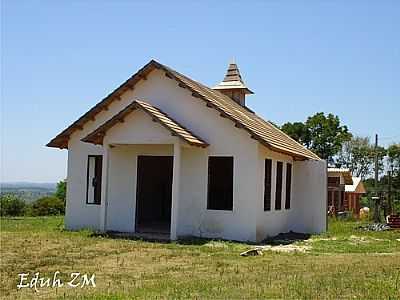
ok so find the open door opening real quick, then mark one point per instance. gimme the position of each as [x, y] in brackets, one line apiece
[154, 194]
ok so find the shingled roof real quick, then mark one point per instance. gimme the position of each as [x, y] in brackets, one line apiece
[259, 129]
[97, 136]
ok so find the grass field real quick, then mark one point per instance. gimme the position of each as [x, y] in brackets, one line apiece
[343, 263]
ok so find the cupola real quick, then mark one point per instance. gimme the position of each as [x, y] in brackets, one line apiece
[233, 85]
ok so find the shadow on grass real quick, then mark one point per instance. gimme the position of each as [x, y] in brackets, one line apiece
[152, 237]
[286, 238]
[280, 239]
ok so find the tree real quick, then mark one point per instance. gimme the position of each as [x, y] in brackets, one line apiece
[393, 153]
[322, 134]
[298, 131]
[48, 206]
[11, 205]
[61, 190]
[356, 154]
[327, 135]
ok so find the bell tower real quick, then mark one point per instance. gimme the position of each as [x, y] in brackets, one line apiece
[233, 85]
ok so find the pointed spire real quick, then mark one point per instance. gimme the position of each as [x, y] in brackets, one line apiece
[233, 80]
[233, 84]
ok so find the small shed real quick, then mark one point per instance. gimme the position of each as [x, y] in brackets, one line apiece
[353, 194]
[338, 178]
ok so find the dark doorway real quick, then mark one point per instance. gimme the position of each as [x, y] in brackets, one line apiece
[154, 193]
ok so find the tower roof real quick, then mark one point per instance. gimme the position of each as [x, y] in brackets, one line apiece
[233, 80]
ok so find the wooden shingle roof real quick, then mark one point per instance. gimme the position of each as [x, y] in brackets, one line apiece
[259, 129]
[97, 136]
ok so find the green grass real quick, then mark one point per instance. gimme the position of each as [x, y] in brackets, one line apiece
[343, 263]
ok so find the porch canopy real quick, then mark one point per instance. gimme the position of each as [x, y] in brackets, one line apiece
[134, 128]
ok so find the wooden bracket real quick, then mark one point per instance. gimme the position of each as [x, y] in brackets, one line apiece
[180, 84]
[196, 95]
[254, 137]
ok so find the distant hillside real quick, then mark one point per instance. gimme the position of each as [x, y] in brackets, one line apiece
[28, 191]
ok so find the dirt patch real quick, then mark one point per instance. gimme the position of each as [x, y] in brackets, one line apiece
[216, 244]
[358, 239]
[281, 248]
[320, 239]
[288, 248]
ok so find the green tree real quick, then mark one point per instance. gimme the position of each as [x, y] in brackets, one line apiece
[48, 206]
[393, 153]
[357, 154]
[327, 135]
[298, 131]
[11, 205]
[322, 134]
[61, 190]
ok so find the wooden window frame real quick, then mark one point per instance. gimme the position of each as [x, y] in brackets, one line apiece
[267, 184]
[209, 198]
[288, 183]
[278, 185]
[96, 201]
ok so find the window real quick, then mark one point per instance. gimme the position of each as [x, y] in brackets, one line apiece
[220, 183]
[288, 185]
[278, 191]
[267, 184]
[93, 184]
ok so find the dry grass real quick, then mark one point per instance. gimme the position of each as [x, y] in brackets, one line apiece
[343, 263]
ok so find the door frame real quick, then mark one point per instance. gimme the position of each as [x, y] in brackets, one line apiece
[137, 188]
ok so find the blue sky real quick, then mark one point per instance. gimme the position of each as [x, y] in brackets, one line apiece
[59, 58]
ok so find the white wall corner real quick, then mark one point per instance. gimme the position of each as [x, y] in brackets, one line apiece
[176, 189]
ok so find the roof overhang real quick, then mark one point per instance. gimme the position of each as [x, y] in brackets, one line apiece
[61, 140]
[232, 85]
[348, 179]
[259, 129]
[356, 187]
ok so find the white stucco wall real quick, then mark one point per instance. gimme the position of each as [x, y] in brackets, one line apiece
[149, 138]
[247, 221]
[272, 222]
[310, 190]
[78, 214]
[121, 192]
[225, 140]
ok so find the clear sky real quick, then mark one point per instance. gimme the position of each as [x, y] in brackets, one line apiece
[59, 58]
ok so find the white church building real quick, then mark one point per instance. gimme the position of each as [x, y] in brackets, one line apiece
[163, 153]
